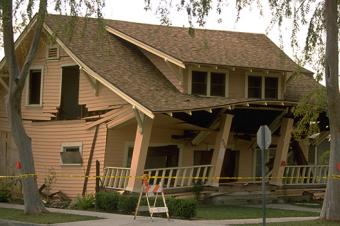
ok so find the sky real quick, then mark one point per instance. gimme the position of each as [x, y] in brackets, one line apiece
[250, 20]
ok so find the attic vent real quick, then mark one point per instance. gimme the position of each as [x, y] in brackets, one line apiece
[53, 53]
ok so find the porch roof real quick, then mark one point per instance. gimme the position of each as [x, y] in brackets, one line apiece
[125, 67]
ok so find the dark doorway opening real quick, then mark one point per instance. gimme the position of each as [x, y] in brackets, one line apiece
[69, 102]
[230, 166]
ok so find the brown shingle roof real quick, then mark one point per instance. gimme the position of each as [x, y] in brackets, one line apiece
[210, 46]
[123, 65]
[300, 85]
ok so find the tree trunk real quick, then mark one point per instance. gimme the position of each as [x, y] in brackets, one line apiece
[331, 205]
[17, 79]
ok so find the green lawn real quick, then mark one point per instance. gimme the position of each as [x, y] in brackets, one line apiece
[302, 223]
[240, 212]
[44, 218]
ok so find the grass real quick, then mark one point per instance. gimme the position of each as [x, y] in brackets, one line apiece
[44, 218]
[301, 223]
[240, 212]
[309, 205]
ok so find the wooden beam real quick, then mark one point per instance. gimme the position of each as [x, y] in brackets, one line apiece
[139, 154]
[139, 117]
[221, 143]
[203, 134]
[282, 151]
[145, 46]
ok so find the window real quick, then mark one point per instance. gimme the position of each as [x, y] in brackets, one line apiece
[199, 83]
[271, 90]
[208, 83]
[263, 87]
[254, 87]
[34, 87]
[69, 102]
[71, 154]
[217, 84]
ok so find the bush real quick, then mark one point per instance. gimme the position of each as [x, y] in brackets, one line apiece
[183, 208]
[127, 204]
[5, 196]
[107, 201]
[83, 203]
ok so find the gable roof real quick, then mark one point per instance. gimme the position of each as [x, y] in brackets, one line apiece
[227, 48]
[124, 69]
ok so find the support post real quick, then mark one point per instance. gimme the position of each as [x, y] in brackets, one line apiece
[97, 176]
[140, 150]
[282, 151]
[220, 148]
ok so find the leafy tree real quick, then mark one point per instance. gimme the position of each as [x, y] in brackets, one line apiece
[321, 49]
[22, 13]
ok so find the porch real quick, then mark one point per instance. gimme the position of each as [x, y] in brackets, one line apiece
[173, 178]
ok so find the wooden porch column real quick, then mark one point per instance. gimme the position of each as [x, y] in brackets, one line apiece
[220, 148]
[282, 151]
[139, 154]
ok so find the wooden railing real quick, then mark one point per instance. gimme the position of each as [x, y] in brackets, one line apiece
[306, 175]
[115, 177]
[173, 177]
[180, 177]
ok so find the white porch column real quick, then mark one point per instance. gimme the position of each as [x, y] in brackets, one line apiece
[140, 151]
[282, 151]
[220, 146]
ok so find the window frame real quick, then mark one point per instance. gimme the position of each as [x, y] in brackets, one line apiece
[41, 68]
[209, 71]
[71, 145]
[263, 85]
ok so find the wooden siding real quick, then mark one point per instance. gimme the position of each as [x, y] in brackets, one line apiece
[47, 139]
[119, 139]
[237, 83]
[172, 72]
[52, 71]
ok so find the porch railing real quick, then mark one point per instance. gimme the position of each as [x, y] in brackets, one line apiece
[172, 177]
[305, 175]
[180, 177]
[116, 177]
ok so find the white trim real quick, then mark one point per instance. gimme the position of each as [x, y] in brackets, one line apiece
[209, 70]
[264, 75]
[32, 68]
[145, 46]
[69, 145]
[92, 73]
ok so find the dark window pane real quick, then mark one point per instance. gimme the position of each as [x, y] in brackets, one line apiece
[34, 87]
[71, 149]
[254, 86]
[199, 83]
[217, 84]
[271, 84]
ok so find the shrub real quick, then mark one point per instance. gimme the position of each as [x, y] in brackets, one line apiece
[4, 195]
[83, 203]
[183, 208]
[107, 201]
[197, 189]
[127, 204]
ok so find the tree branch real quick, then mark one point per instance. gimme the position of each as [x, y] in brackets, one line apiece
[34, 45]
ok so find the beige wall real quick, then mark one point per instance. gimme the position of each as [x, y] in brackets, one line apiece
[47, 140]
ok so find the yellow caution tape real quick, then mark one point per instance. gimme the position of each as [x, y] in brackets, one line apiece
[23, 176]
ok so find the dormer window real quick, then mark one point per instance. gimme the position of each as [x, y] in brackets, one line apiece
[262, 87]
[208, 83]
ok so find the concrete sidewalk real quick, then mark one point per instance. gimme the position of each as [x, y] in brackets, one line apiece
[127, 220]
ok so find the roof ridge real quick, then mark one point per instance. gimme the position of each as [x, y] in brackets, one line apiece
[164, 26]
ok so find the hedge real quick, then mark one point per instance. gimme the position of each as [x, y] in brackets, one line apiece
[114, 202]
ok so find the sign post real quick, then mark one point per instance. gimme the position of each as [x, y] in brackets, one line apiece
[264, 139]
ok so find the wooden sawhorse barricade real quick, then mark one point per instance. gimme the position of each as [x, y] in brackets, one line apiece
[151, 191]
